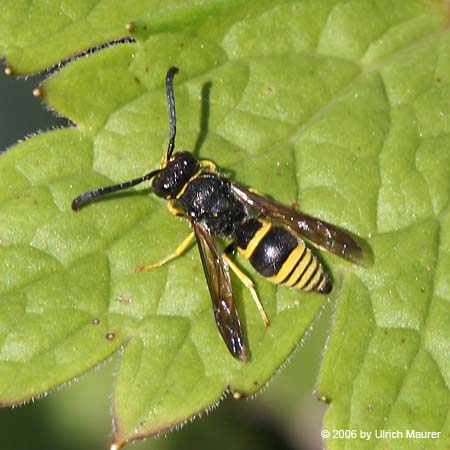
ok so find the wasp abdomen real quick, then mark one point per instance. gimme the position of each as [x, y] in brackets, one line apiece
[280, 256]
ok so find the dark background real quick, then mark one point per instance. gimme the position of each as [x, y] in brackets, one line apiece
[285, 416]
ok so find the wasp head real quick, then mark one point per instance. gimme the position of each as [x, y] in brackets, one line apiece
[175, 174]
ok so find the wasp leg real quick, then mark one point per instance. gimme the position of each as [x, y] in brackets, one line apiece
[180, 250]
[174, 210]
[248, 283]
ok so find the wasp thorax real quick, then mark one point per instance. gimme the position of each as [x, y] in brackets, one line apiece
[172, 178]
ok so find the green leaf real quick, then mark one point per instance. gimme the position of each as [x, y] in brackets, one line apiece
[340, 106]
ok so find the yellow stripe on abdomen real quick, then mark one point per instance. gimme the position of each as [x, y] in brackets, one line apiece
[301, 270]
[256, 239]
[307, 274]
[292, 260]
[314, 279]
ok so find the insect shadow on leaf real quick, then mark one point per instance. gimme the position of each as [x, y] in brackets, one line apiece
[204, 117]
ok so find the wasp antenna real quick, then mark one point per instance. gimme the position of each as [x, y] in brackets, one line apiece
[89, 195]
[172, 116]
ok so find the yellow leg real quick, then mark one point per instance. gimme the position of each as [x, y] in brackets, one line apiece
[180, 250]
[248, 283]
[174, 210]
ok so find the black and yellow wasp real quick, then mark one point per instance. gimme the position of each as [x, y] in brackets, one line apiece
[265, 232]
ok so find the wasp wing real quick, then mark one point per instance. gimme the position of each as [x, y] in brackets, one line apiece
[324, 235]
[219, 284]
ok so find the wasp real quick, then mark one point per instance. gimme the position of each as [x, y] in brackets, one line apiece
[270, 235]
